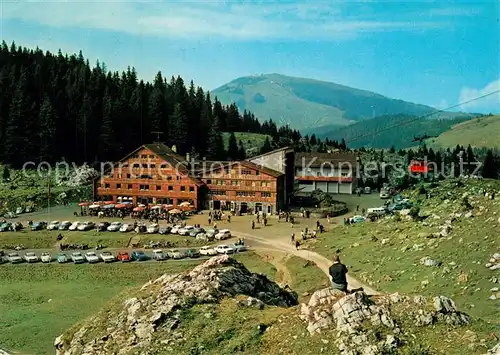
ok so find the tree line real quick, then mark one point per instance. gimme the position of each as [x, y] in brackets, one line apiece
[58, 107]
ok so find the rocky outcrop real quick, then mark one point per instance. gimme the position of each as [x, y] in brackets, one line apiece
[494, 350]
[354, 316]
[160, 303]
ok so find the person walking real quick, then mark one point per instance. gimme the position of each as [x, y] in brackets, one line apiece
[338, 273]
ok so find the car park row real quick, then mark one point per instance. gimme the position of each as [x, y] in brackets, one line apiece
[92, 257]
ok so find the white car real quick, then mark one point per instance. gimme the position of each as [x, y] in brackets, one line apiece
[238, 248]
[206, 250]
[64, 225]
[77, 257]
[175, 229]
[158, 255]
[92, 257]
[45, 257]
[185, 230]
[85, 226]
[175, 254]
[107, 257]
[223, 234]
[154, 228]
[30, 257]
[114, 226]
[75, 226]
[53, 225]
[224, 249]
[126, 227]
[14, 258]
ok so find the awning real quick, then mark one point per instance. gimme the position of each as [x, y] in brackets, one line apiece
[94, 206]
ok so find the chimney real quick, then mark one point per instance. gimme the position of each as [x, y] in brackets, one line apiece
[188, 158]
[174, 148]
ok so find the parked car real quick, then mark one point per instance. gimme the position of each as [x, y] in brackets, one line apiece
[19, 210]
[139, 255]
[126, 227]
[17, 226]
[211, 232]
[367, 190]
[224, 249]
[30, 257]
[185, 230]
[10, 215]
[64, 225]
[357, 219]
[86, 226]
[77, 257]
[5, 227]
[61, 258]
[92, 257]
[192, 253]
[204, 236]
[53, 225]
[123, 256]
[209, 251]
[195, 231]
[384, 194]
[36, 226]
[46, 257]
[165, 230]
[223, 234]
[75, 226]
[107, 257]
[114, 226]
[14, 258]
[175, 254]
[154, 228]
[103, 226]
[238, 247]
[158, 255]
[175, 229]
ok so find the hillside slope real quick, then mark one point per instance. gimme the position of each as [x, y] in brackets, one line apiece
[307, 103]
[481, 132]
[387, 131]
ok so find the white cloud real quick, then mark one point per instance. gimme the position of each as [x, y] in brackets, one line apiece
[199, 19]
[489, 103]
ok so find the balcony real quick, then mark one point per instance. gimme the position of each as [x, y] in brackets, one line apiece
[152, 193]
[325, 178]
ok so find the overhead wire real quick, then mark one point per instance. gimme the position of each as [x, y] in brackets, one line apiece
[420, 117]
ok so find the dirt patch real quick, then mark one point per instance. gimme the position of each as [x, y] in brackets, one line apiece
[278, 260]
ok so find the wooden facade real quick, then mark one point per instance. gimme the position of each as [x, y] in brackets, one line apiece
[244, 187]
[152, 174]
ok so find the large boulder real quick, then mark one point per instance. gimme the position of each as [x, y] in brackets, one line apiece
[159, 305]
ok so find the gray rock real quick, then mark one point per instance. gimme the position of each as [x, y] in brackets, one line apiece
[494, 350]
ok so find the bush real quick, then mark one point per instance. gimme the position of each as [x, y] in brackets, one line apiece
[414, 211]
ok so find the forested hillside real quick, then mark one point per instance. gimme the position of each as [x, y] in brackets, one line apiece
[390, 131]
[57, 106]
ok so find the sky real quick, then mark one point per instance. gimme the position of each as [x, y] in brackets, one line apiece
[434, 53]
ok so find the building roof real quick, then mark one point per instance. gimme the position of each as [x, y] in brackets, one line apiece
[210, 166]
[269, 153]
[316, 160]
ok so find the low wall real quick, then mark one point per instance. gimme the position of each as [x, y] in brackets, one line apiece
[338, 209]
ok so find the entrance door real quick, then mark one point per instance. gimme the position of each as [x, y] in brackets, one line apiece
[258, 207]
[244, 207]
[216, 205]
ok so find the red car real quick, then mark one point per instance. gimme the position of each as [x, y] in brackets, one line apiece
[123, 256]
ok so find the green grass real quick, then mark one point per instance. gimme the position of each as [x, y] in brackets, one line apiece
[251, 141]
[45, 239]
[30, 322]
[306, 277]
[481, 132]
[395, 266]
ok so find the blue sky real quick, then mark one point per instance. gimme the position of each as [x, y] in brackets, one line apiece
[434, 53]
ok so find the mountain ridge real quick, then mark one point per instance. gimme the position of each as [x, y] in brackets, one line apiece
[305, 103]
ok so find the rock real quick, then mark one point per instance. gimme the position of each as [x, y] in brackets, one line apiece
[492, 297]
[160, 303]
[420, 300]
[430, 262]
[447, 312]
[494, 350]
[494, 289]
[468, 215]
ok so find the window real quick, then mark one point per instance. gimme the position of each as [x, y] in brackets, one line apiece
[169, 177]
[136, 166]
[345, 174]
[257, 172]
[170, 188]
[265, 184]
[144, 156]
[145, 166]
[128, 176]
[191, 188]
[235, 183]
[217, 193]
[227, 169]
[245, 193]
[246, 172]
[178, 177]
[106, 186]
[151, 156]
[265, 194]
[209, 182]
[163, 166]
[129, 186]
[144, 187]
[118, 186]
[158, 187]
[152, 166]
[183, 188]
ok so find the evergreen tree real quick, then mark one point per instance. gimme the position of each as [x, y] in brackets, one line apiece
[179, 129]
[241, 151]
[6, 174]
[312, 140]
[215, 149]
[106, 136]
[490, 166]
[266, 147]
[232, 149]
[392, 150]
[47, 119]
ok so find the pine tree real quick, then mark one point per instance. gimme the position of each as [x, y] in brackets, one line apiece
[241, 151]
[490, 166]
[392, 150]
[6, 174]
[215, 149]
[179, 129]
[106, 136]
[266, 147]
[47, 119]
[313, 140]
[232, 149]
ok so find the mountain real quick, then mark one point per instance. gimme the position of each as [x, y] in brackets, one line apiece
[306, 103]
[391, 130]
[481, 132]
